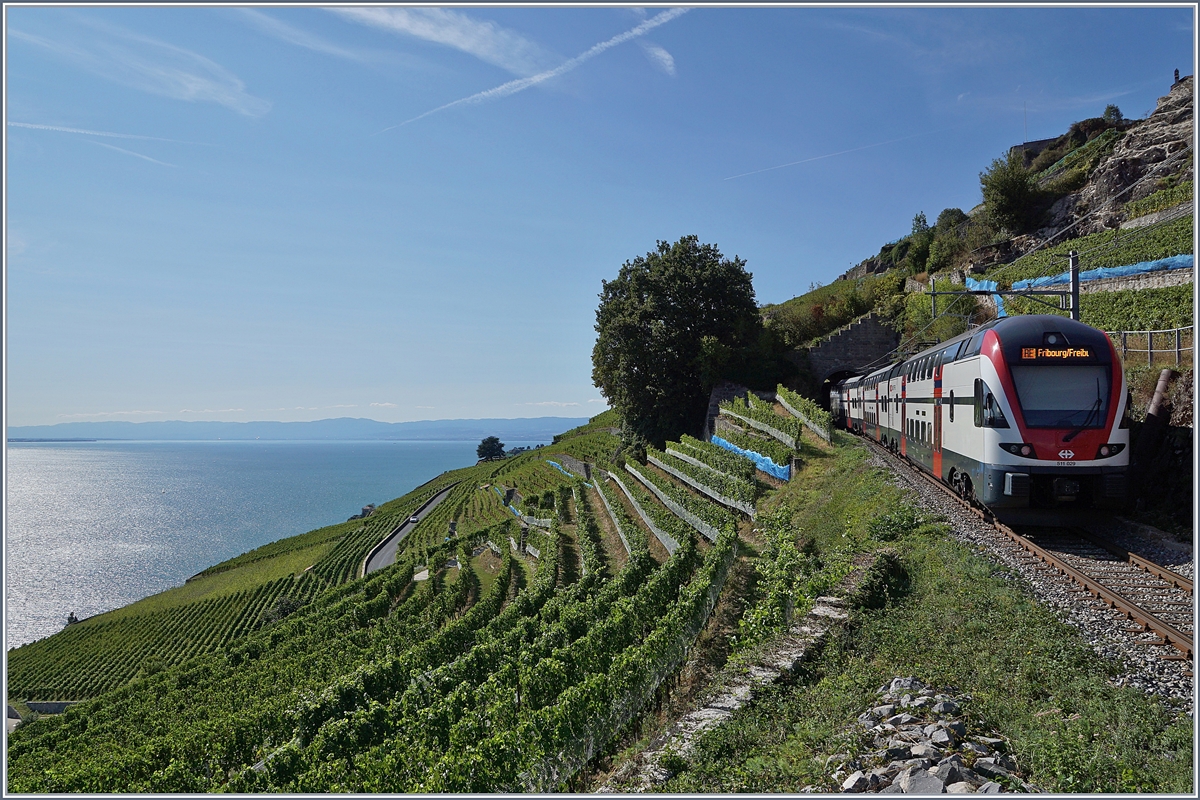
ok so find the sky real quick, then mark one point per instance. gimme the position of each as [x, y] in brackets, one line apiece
[401, 213]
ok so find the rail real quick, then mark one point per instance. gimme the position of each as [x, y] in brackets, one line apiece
[1150, 623]
[1170, 342]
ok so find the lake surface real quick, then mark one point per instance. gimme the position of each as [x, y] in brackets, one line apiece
[93, 526]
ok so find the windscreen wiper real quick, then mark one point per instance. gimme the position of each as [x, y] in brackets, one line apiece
[1095, 407]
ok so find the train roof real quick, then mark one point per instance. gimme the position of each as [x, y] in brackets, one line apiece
[1022, 325]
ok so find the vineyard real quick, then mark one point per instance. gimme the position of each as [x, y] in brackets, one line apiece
[316, 680]
[1113, 248]
[457, 668]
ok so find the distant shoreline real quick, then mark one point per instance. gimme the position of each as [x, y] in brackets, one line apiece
[14, 439]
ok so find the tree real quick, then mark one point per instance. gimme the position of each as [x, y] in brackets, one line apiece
[1113, 115]
[1010, 193]
[490, 448]
[667, 326]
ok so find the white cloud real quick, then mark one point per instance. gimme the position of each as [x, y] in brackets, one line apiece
[151, 66]
[131, 153]
[520, 85]
[659, 57]
[486, 41]
[86, 132]
[827, 155]
[597, 400]
[111, 414]
[385, 405]
[281, 30]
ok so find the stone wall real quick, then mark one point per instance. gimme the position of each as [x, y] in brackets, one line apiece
[866, 341]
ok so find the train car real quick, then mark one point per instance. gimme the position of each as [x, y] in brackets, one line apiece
[1025, 410]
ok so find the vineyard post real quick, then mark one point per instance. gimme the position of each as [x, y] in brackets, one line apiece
[1074, 262]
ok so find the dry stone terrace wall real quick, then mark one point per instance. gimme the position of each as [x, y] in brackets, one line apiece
[866, 341]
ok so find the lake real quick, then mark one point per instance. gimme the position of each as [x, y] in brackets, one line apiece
[93, 526]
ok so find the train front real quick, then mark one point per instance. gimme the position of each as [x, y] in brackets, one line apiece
[1069, 437]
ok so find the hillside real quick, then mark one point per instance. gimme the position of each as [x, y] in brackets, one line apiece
[1117, 191]
[558, 619]
[537, 656]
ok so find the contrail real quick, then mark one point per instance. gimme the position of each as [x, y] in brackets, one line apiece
[827, 155]
[512, 87]
[95, 133]
[130, 152]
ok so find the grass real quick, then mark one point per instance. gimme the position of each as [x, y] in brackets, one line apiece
[248, 576]
[961, 624]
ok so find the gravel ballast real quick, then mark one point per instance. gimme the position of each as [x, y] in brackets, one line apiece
[1101, 627]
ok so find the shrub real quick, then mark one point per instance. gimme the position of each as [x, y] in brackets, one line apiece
[1010, 193]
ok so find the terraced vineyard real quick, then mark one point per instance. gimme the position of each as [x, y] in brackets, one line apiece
[389, 683]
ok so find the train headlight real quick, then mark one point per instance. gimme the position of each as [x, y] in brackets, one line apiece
[1019, 449]
[1107, 450]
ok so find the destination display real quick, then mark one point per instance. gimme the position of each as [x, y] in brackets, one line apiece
[1060, 354]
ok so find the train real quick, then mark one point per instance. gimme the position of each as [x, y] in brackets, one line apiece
[1022, 411]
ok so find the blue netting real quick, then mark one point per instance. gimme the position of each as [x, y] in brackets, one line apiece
[1174, 262]
[559, 467]
[765, 464]
[975, 285]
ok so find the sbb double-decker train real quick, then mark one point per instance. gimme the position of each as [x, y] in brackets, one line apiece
[1024, 410]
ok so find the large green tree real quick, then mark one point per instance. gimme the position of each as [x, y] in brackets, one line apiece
[670, 325]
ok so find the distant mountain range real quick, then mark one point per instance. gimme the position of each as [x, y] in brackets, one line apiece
[344, 428]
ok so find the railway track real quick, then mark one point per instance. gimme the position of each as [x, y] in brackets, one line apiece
[1157, 602]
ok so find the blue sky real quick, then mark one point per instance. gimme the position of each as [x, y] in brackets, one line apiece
[407, 213]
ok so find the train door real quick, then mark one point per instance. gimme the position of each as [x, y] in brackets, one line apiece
[904, 411]
[937, 415]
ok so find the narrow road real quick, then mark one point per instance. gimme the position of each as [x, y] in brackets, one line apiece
[386, 554]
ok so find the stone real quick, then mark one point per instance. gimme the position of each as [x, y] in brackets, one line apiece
[957, 727]
[943, 738]
[948, 773]
[905, 684]
[900, 719]
[990, 768]
[976, 748]
[923, 702]
[945, 707]
[893, 788]
[884, 711]
[922, 781]
[898, 752]
[906, 701]
[857, 782]
[923, 750]
[991, 787]
[867, 718]
[995, 744]
[954, 759]
[960, 787]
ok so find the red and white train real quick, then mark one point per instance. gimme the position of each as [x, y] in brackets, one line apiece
[1024, 410]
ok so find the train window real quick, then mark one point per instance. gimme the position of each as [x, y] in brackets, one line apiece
[952, 405]
[974, 345]
[978, 403]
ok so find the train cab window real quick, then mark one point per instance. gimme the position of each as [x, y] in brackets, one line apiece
[987, 409]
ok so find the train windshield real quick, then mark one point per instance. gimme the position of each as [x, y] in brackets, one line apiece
[1059, 396]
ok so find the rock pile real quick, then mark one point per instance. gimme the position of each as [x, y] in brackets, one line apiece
[922, 746]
